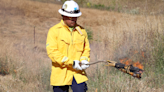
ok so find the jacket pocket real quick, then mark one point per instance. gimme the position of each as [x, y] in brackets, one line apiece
[64, 41]
[63, 45]
[79, 45]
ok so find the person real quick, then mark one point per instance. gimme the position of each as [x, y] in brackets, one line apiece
[68, 48]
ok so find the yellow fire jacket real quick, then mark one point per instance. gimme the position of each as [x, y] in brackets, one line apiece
[64, 46]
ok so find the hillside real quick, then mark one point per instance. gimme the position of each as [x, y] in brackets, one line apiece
[23, 54]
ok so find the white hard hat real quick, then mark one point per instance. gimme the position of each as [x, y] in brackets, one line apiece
[70, 9]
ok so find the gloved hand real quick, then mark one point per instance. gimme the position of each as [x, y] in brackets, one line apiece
[76, 65]
[84, 64]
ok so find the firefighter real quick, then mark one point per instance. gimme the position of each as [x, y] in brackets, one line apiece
[68, 48]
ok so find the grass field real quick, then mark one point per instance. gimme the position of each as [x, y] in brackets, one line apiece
[135, 32]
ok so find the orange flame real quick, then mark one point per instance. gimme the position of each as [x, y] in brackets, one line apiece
[138, 64]
[122, 60]
[129, 62]
[126, 61]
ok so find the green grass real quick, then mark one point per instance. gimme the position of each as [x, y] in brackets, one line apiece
[159, 54]
[89, 33]
[158, 67]
[45, 78]
[111, 80]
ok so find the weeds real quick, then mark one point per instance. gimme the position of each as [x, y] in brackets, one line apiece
[159, 54]
[45, 78]
[32, 67]
[89, 33]
[151, 55]
[4, 68]
[49, 1]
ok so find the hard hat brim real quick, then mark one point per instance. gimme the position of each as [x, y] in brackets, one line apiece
[69, 14]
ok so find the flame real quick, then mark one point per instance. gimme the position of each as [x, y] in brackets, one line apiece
[138, 64]
[127, 61]
[123, 59]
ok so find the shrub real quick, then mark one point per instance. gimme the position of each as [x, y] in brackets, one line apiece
[90, 33]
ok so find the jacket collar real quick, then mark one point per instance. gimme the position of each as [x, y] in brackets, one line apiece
[62, 22]
[77, 27]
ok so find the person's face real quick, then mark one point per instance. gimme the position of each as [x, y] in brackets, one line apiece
[70, 21]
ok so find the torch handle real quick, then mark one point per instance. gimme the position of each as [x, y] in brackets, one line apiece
[110, 63]
[92, 63]
[96, 62]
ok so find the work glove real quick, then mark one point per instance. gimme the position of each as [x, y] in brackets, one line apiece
[84, 64]
[76, 65]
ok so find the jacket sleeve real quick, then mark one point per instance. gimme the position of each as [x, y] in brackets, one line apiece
[52, 50]
[86, 52]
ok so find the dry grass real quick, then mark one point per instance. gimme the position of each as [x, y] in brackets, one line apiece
[115, 36]
[149, 7]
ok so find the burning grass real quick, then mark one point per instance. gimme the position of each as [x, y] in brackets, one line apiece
[115, 36]
[130, 62]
